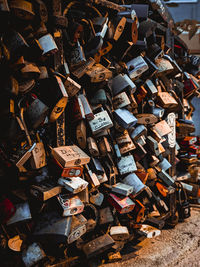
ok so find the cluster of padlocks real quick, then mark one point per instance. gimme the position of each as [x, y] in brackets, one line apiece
[97, 140]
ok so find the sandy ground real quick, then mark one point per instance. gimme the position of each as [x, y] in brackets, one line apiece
[175, 247]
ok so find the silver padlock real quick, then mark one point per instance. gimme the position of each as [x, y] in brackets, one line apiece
[22, 213]
[136, 67]
[121, 83]
[71, 206]
[126, 164]
[122, 189]
[119, 233]
[133, 180]
[100, 122]
[96, 198]
[78, 228]
[125, 118]
[105, 216]
[33, 254]
[73, 184]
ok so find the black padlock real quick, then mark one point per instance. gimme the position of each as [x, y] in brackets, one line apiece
[183, 206]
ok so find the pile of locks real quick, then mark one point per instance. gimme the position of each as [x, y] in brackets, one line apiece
[95, 128]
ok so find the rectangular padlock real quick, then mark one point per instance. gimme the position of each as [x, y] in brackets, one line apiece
[105, 216]
[81, 134]
[166, 100]
[150, 87]
[98, 73]
[122, 189]
[162, 128]
[166, 178]
[33, 254]
[77, 56]
[164, 164]
[73, 184]
[92, 147]
[87, 109]
[140, 130]
[67, 172]
[136, 67]
[80, 71]
[38, 159]
[121, 83]
[52, 225]
[126, 164]
[70, 205]
[98, 245]
[71, 87]
[100, 122]
[45, 190]
[121, 100]
[21, 214]
[69, 156]
[78, 228]
[121, 204]
[133, 180]
[119, 233]
[91, 177]
[124, 118]
[146, 118]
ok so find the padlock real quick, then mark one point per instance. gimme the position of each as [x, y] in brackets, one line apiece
[45, 190]
[121, 100]
[153, 145]
[125, 143]
[98, 245]
[183, 206]
[86, 106]
[99, 97]
[119, 233]
[73, 184]
[166, 100]
[67, 172]
[149, 231]
[150, 87]
[48, 44]
[91, 177]
[100, 122]
[162, 128]
[60, 130]
[96, 198]
[105, 216]
[69, 156]
[39, 156]
[81, 134]
[78, 112]
[121, 83]
[146, 118]
[98, 73]
[33, 254]
[126, 164]
[136, 67]
[71, 87]
[70, 206]
[164, 164]
[92, 147]
[166, 178]
[133, 180]
[51, 226]
[80, 71]
[121, 204]
[36, 113]
[140, 130]
[21, 214]
[125, 118]
[122, 189]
